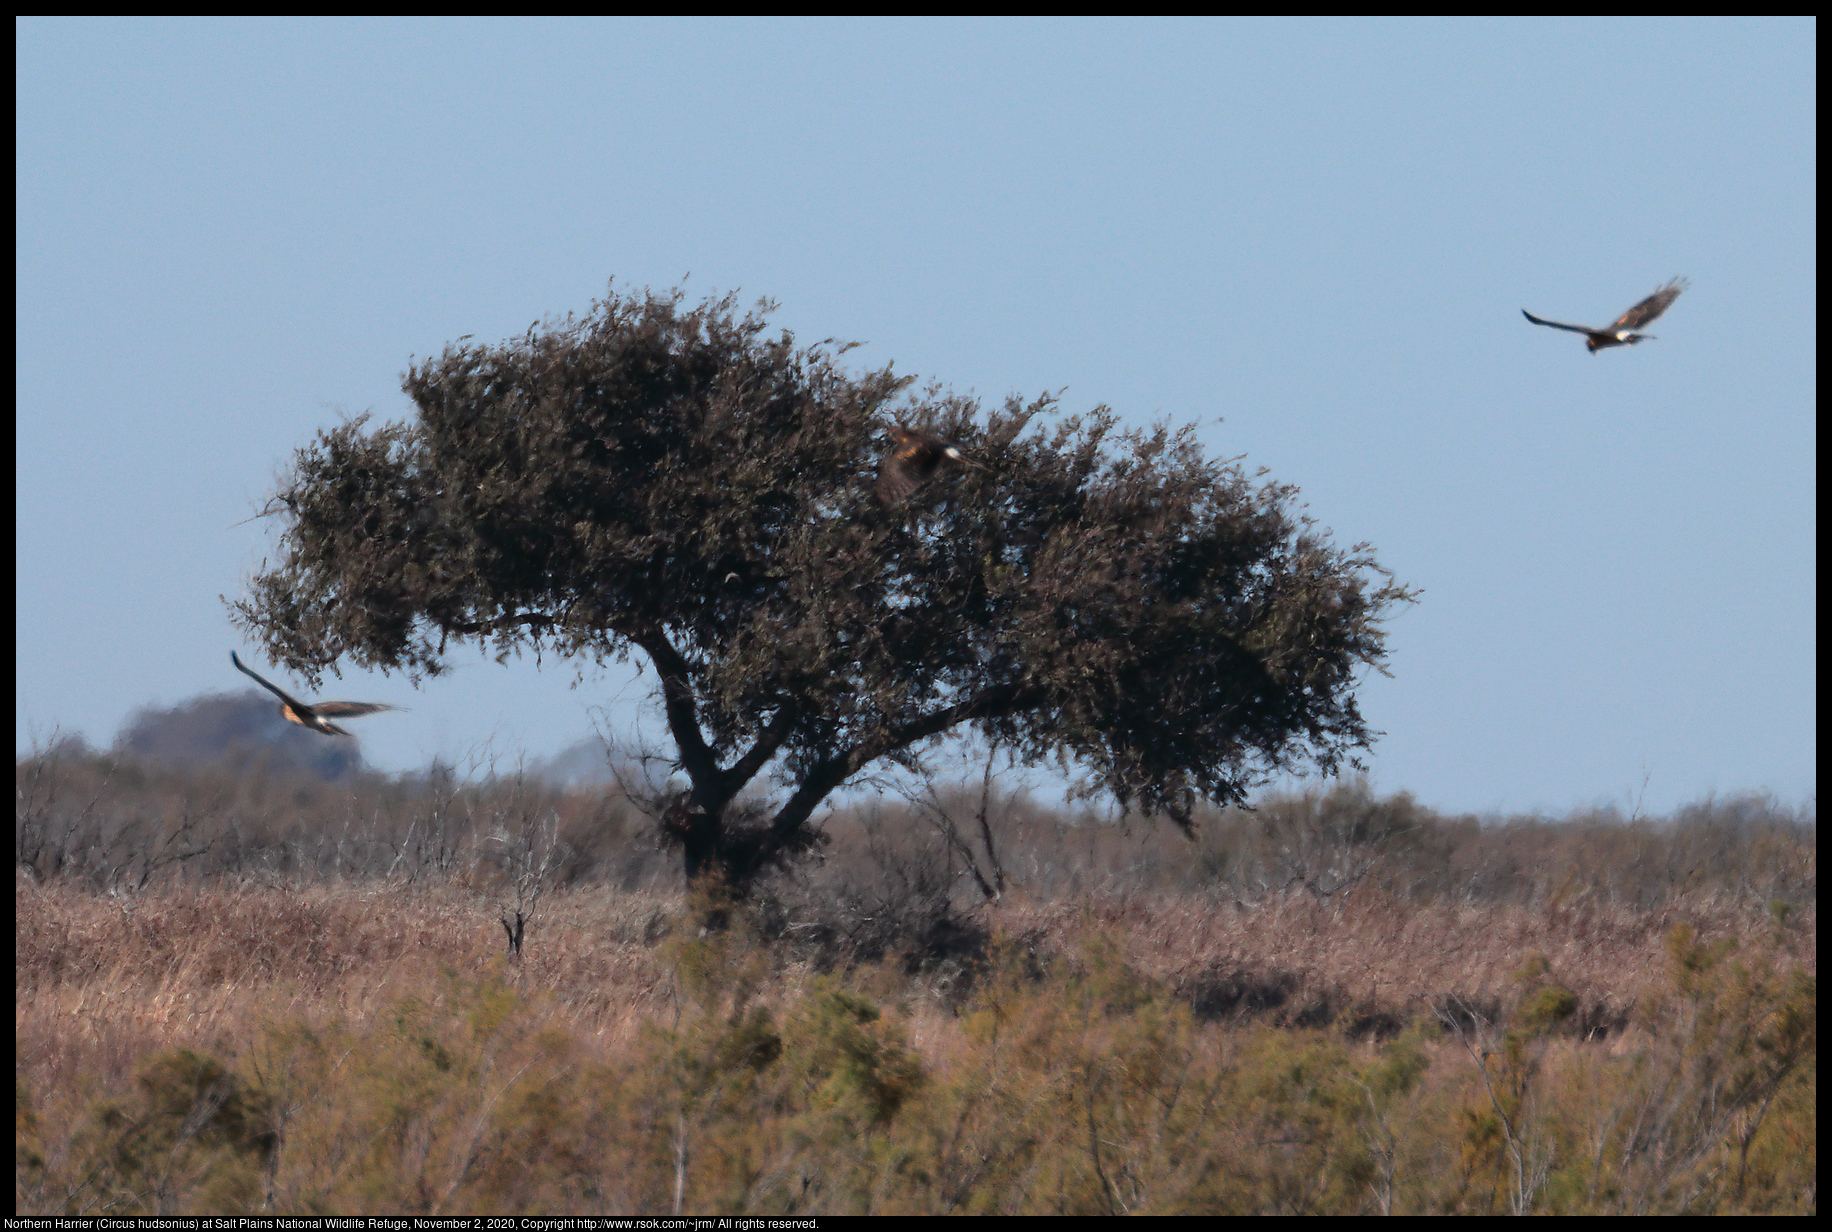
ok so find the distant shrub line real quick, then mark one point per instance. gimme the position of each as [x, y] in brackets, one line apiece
[117, 821]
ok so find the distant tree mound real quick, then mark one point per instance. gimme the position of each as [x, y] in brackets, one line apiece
[240, 729]
[585, 763]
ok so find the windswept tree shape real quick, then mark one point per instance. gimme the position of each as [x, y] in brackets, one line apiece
[683, 484]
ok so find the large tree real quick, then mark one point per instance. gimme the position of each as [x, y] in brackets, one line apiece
[682, 483]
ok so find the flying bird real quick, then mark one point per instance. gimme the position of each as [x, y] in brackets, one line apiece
[316, 717]
[1621, 332]
[914, 461]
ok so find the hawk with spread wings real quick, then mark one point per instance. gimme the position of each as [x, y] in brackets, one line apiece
[914, 459]
[1621, 332]
[318, 716]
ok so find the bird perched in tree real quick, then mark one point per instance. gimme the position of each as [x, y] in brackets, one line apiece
[316, 716]
[913, 462]
[1621, 331]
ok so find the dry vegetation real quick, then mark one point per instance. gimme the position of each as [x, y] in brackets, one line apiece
[245, 992]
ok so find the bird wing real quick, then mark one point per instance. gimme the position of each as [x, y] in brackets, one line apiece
[898, 477]
[1651, 307]
[908, 466]
[348, 710]
[270, 686]
[1576, 329]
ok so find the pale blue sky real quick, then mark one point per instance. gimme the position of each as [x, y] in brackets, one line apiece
[1313, 238]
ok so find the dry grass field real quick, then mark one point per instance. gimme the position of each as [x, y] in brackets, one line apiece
[1335, 1003]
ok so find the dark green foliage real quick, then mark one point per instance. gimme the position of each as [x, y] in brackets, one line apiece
[196, 1139]
[847, 1059]
[678, 482]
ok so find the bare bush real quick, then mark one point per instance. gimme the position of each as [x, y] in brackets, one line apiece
[113, 821]
[924, 877]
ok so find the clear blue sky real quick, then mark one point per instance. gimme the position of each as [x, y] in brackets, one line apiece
[1312, 238]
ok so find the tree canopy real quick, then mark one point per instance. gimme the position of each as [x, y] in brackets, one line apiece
[683, 483]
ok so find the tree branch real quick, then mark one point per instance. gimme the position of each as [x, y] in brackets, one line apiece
[682, 711]
[828, 774]
[530, 620]
[1001, 699]
[768, 741]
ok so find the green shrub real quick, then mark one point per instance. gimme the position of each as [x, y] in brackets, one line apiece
[1066, 1086]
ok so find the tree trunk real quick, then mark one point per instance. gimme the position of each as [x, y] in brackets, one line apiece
[699, 831]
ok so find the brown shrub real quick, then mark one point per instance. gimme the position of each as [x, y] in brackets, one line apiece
[388, 1060]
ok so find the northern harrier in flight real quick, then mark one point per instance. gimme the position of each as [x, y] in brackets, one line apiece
[1621, 332]
[914, 461]
[315, 717]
